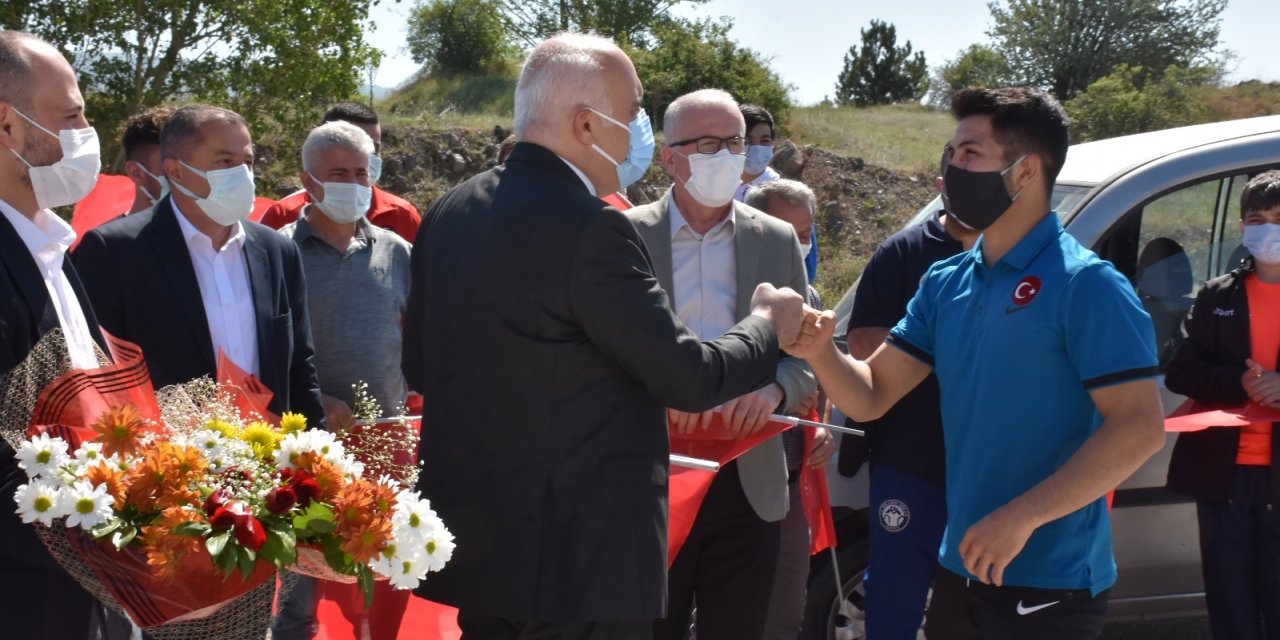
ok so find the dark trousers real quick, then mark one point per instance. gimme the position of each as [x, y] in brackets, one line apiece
[482, 627]
[726, 565]
[1240, 555]
[908, 516]
[969, 610]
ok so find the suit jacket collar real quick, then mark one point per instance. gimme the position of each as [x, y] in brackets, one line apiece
[258, 262]
[528, 153]
[163, 235]
[26, 277]
[654, 222]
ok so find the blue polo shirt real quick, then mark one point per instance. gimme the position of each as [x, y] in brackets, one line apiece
[1017, 347]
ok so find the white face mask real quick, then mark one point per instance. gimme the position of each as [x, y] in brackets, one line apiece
[375, 168]
[343, 202]
[1263, 242]
[714, 178]
[164, 185]
[70, 179]
[230, 193]
[805, 248]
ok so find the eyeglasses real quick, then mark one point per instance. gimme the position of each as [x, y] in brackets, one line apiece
[737, 145]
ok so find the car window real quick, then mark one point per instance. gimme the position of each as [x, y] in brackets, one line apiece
[1169, 246]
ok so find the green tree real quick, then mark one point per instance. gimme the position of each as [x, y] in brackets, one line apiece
[277, 62]
[881, 72]
[1117, 105]
[977, 66]
[1065, 45]
[457, 37]
[627, 22]
[687, 56]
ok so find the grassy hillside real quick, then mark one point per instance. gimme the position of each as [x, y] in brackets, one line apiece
[905, 138]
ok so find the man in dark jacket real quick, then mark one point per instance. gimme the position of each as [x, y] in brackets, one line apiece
[1226, 355]
[546, 350]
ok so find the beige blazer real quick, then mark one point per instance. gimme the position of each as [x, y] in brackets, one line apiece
[765, 250]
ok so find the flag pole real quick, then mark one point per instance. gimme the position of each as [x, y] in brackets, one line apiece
[818, 425]
[694, 463]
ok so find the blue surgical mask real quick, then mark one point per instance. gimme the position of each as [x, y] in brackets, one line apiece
[639, 153]
[758, 157]
[375, 168]
[1263, 242]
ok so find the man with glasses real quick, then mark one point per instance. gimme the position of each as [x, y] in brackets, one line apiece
[709, 253]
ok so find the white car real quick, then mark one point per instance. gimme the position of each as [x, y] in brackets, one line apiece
[1164, 207]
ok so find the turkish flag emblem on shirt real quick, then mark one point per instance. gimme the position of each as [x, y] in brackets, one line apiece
[1026, 290]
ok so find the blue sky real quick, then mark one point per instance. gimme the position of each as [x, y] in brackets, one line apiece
[806, 40]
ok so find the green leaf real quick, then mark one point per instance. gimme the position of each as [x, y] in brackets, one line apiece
[281, 547]
[216, 544]
[227, 561]
[316, 520]
[124, 535]
[247, 560]
[336, 557]
[105, 530]
[192, 529]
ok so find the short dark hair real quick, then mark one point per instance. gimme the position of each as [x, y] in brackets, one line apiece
[143, 129]
[1023, 120]
[352, 112]
[15, 69]
[1261, 193]
[754, 114]
[182, 131]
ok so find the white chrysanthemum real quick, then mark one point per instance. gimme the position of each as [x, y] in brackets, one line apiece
[89, 454]
[404, 570]
[412, 520]
[42, 455]
[438, 549]
[86, 506]
[351, 467]
[40, 501]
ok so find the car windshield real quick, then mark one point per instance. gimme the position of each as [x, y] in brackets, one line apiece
[1066, 198]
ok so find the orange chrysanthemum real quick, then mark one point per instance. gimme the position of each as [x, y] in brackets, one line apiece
[384, 498]
[165, 477]
[163, 547]
[106, 473]
[118, 430]
[364, 531]
[329, 477]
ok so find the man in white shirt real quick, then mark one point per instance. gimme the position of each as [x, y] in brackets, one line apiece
[193, 277]
[40, 106]
[709, 253]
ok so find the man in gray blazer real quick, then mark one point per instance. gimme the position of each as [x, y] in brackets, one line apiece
[709, 253]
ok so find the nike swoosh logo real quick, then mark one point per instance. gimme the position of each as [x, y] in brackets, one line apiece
[1022, 611]
[1009, 310]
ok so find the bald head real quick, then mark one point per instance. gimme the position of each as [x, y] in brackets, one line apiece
[684, 113]
[21, 56]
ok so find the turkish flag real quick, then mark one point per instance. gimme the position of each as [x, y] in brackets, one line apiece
[815, 497]
[1192, 416]
[687, 487]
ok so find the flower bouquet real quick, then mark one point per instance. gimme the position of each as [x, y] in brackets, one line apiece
[177, 505]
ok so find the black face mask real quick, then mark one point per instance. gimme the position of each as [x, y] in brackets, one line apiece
[976, 199]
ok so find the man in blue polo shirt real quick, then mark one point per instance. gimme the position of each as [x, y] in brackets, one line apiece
[1046, 365]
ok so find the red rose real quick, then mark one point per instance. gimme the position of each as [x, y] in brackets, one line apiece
[215, 501]
[225, 515]
[305, 487]
[280, 499]
[249, 532]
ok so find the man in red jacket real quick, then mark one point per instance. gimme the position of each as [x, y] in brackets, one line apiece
[385, 210]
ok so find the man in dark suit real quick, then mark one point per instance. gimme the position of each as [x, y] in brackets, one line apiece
[546, 352]
[40, 292]
[193, 276]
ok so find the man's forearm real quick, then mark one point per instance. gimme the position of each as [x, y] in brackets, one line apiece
[846, 381]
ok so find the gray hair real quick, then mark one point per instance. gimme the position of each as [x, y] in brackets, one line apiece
[789, 191]
[15, 68]
[338, 133]
[701, 97]
[182, 131]
[563, 72]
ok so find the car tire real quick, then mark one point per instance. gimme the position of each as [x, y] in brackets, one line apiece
[823, 619]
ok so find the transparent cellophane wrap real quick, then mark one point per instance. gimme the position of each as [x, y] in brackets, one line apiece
[200, 603]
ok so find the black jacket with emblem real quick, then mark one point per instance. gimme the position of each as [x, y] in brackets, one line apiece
[1207, 365]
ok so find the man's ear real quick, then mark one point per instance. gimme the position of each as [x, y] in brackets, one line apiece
[583, 130]
[7, 115]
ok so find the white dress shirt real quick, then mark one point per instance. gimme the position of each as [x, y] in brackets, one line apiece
[47, 238]
[223, 277]
[704, 274]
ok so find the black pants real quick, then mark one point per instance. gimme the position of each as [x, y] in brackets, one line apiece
[969, 610]
[1240, 550]
[726, 565]
[482, 627]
